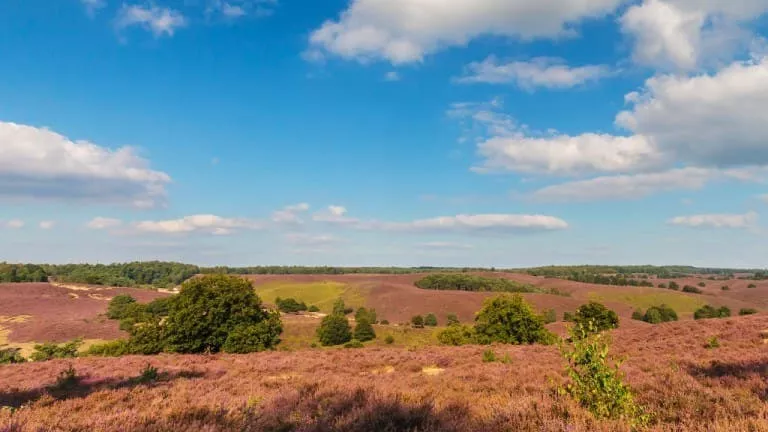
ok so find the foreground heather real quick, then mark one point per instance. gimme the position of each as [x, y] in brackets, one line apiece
[685, 385]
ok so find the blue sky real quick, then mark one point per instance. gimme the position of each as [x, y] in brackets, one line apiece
[499, 133]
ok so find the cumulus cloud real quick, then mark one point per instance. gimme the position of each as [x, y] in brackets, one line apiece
[290, 214]
[210, 224]
[233, 9]
[335, 215]
[405, 31]
[739, 221]
[14, 224]
[161, 21]
[46, 225]
[544, 72]
[37, 163]
[101, 223]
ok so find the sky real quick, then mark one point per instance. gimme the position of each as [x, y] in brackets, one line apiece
[506, 133]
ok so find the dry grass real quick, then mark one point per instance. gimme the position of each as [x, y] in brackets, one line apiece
[684, 385]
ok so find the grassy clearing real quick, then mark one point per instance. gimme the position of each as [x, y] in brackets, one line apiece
[300, 333]
[681, 303]
[320, 294]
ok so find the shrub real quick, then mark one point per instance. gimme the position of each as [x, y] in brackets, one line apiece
[725, 288]
[489, 356]
[568, 316]
[148, 338]
[339, 307]
[348, 310]
[354, 344]
[366, 314]
[113, 348]
[747, 311]
[549, 316]
[456, 335]
[709, 311]
[118, 306]
[600, 316]
[674, 286]
[596, 382]
[313, 308]
[384, 322]
[712, 343]
[417, 321]
[48, 351]
[290, 305]
[207, 309]
[751, 286]
[660, 314]
[451, 319]
[509, 319]
[364, 330]
[66, 380]
[702, 284]
[334, 330]
[247, 338]
[389, 340]
[430, 320]
[663, 285]
[638, 315]
[10, 356]
[148, 374]
[692, 289]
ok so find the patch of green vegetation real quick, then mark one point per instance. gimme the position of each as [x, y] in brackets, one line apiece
[320, 294]
[645, 299]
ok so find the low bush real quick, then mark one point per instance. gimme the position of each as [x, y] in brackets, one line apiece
[489, 356]
[249, 337]
[148, 374]
[119, 306]
[692, 289]
[549, 316]
[747, 311]
[66, 380]
[663, 285]
[113, 348]
[638, 315]
[290, 305]
[674, 286]
[389, 340]
[334, 330]
[367, 315]
[430, 320]
[354, 344]
[451, 319]
[11, 356]
[709, 311]
[751, 286]
[417, 321]
[456, 335]
[384, 322]
[702, 284]
[660, 314]
[725, 288]
[712, 343]
[49, 351]
[568, 316]
[313, 308]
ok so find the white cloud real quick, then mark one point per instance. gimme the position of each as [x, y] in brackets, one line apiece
[335, 215]
[290, 214]
[741, 221]
[444, 246]
[404, 31]
[46, 225]
[392, 76]
[300, 239]
[538, 72]
[101, 223]
[158, 20]
[210, 224]
[239, 8]
[93, 6]
[37, 163]
[477, 223]
[15, 224]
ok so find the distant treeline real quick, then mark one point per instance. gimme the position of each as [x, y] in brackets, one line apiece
[465, 282]
[152, 273]
[337, 270]
[22, 273]
[664, 272]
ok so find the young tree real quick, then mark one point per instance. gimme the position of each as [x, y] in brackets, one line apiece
[417, 321]
[364, 330]
[366, 314]
[334, 330]
[601, 317]
[339, 307]
[430, 320]
[509, 319]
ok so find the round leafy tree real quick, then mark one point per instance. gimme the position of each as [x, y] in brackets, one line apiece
[334, 330]
[600, 316]
[660, 314]
[430, 320]
[417, 321]
[202, 315]
[364, 330]
[509, 319]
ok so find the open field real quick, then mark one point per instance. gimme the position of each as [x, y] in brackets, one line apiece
[682, 384]
[321, 294]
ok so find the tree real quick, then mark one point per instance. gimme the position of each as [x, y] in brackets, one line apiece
[334, 330]
[118, 306]
[601, 317]
[364, 330]
[638, 315]
[366, 314]
[660, 314]
[674, 286]
[207, 309]
[247, 338]
[430, 320]
[452, 319]
[339, 307]
[710, 311]
[417, 321]
[509, 319]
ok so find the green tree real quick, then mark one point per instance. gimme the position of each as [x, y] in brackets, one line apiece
[430, 320]
[638, 315]
[10, 356]
[710, 311]
[452, 319]
[247, 338]
[417, 321]
[456, 335]
[660, 314]
[364, 330]
[207, 309]
[339, 307]
[509, 319]
[118, 306]
[366, 314]
[600, 316]
[334, 330]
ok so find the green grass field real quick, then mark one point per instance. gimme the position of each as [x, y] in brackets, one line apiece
[681, 303]
[320, 294]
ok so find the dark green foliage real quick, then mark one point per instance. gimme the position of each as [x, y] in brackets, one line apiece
[334, 330]
[568, 316]
[451, 319]
[313, 308]
[348, 310]
[663, 285]
[364, 330]
[354, 344]
[751, 286]
[290, 305]
[709, 311]
[489, 356]
[384, 322]
[389, 340]
[674, 286]
[22, 273]
[509, 319]
[367, 315]
[148, 338]
[456, 335]
[638, 315]
[159, 307]
[207, 309]
[339, 307]
[67, 380]
[702, 284]
[430, 320]
[549, 316]
[248, 338]
[10, 356]
[49, 351]
[600, 316]
[466, 282]
[692, 289]
[725, 288]
[417, 321]
[747, 311]
[659, 314]
[118, 306]
[154, 274]
[712, 343]
[115, 348]
[148, 374]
